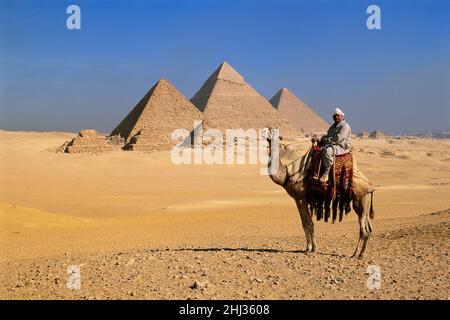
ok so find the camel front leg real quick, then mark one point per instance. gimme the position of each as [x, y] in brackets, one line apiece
[308, 225]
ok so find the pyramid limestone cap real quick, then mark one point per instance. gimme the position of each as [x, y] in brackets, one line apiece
[228, 73]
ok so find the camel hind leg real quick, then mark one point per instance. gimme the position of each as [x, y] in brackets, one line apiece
[363, 208]
[368, 228]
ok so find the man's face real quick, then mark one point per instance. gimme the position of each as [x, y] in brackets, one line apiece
[338, 118]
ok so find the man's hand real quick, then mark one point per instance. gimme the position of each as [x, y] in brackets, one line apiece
[324, 140]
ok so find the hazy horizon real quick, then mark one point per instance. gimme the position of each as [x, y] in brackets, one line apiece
[396, 79]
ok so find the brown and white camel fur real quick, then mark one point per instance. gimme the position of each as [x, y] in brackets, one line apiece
[297, 191]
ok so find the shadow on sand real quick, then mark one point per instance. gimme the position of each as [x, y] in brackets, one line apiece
[262, 250]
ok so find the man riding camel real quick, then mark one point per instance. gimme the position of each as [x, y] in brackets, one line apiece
[336, 142]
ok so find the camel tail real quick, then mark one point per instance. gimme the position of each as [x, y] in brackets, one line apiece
[372, 211]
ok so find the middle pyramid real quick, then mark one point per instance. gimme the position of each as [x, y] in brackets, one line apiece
[228, 102]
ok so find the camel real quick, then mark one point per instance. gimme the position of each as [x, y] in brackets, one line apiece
[363, 206]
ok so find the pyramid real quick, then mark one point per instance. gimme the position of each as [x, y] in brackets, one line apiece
[228, 102]
[377, 134]
[150, 123]
[87, 141]
[298, 113]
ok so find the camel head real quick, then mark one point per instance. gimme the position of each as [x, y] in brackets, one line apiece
[266, 134]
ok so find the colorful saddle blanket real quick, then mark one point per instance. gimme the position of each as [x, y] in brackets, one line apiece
[337, 192]
[343, 169]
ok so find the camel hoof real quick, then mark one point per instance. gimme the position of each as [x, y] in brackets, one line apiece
[360, 257]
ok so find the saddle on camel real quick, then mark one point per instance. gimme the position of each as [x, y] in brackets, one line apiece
[336, 190]
[329, 171]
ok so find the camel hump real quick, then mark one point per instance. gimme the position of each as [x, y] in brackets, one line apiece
[360, 184]
[287, 156]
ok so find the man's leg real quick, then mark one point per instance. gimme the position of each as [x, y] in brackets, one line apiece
[327, 159]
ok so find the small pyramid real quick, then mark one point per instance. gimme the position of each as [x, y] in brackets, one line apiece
[87, 141]
[228, 102]
[377, 134]
[150, 123]
[298, 113]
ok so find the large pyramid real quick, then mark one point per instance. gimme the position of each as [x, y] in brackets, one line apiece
[298, 113]
[151, 122]
[228, 102]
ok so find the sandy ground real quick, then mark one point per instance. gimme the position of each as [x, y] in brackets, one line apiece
[141, 227]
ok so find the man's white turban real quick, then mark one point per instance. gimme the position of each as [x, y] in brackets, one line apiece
[338, 111]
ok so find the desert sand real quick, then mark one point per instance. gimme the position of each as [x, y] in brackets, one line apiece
[141, 227]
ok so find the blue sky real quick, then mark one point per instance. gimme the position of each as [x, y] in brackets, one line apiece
[396, 79]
